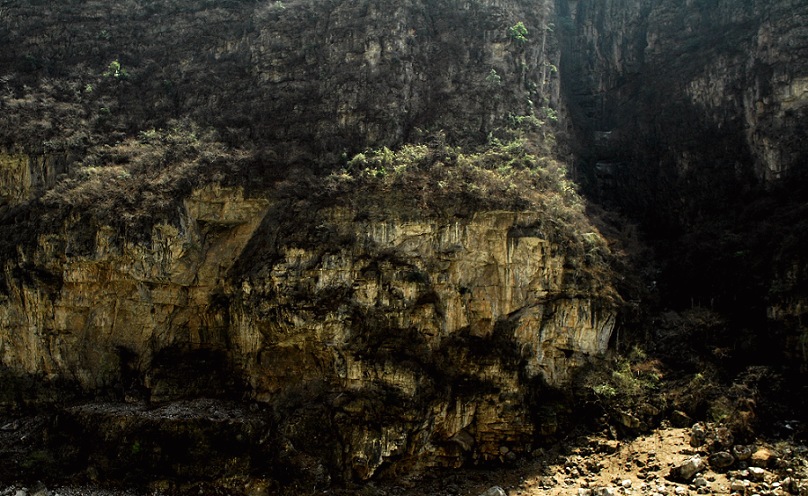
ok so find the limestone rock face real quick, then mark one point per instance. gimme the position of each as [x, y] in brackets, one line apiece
[421, 340]
[124, 295]
[375, 340]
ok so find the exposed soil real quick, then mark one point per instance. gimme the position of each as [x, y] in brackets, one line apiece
[598, 466]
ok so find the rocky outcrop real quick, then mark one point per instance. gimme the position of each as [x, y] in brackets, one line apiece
[422, 340]
[152, 254]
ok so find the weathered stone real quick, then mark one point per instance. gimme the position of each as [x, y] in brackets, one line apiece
[742, 452]
[698, 435]
[763, 457]
[687, 470]
[604, 491]
[494, 491]
[738, 486]
[722, 438]
[679, 418]
[757, 473]
[721, 460]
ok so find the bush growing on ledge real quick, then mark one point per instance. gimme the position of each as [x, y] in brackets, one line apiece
[518, 33]
[115, 70]
[439, 181]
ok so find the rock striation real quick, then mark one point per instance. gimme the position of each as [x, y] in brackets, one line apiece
[424, 342]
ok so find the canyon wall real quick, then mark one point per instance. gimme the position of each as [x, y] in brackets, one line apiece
[423, 340]
[690, 118]
[167, 231]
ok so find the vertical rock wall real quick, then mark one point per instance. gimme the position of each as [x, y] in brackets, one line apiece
[421, 340]
[690, 117]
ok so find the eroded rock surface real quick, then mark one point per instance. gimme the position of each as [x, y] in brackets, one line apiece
[410, 343]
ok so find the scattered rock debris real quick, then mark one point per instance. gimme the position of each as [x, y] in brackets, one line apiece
[661, 463]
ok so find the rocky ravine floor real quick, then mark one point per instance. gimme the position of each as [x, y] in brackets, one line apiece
[666, 462]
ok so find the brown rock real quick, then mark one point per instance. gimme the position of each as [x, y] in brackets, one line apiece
[680, 419]
[763, 457]
[687, 470]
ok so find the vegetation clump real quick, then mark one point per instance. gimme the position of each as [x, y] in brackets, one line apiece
[518, 33]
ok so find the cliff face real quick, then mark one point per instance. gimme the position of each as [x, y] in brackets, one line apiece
[184, 214]
[718, 84]
[421, 340]
[306, 81]
[690, 118]
[160, 246]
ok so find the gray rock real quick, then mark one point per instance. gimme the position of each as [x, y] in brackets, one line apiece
[686, 471]
[722, 438]
[738, 486]
[39, 489]
[494, 491]
[700, 482]
[604, 491]
[756, 473]
[698, 434]
[742, 452]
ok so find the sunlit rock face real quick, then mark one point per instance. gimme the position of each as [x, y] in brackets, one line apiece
[422, 341]
[146, 141]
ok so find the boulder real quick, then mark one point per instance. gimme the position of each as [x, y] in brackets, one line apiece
[698, 434]
[721, 460]
[757, 473]
[494, 491]
[742, 452]
[763, 457]
[686, 471]
[680, 419]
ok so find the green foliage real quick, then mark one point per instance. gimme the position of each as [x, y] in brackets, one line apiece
[493, 79]
[604, 391]
[518, 33]
[442, 181]
[136, 448]
[116, 70]
[625, 382]
[550, 113]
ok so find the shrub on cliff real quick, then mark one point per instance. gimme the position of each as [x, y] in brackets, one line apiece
[442, 182]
